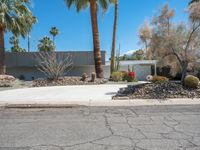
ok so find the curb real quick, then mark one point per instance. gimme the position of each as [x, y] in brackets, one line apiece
[100, 103]
[35, 106]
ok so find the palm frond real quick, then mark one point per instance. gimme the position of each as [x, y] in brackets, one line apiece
[79, 4]
[15, 16]
[103, 4]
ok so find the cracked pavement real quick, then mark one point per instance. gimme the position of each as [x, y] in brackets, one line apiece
[101, 128]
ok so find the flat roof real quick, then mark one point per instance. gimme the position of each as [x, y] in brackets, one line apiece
[135, 62]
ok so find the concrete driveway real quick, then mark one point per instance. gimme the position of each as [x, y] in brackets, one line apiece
[60, 94]
[87, 95]
[101, 128]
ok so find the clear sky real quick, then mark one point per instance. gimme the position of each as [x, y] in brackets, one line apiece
[75, 28]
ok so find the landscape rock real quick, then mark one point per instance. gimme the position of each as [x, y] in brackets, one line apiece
[84, 77]
[6, 77]
[6, 80]
[157, 91]
[63, 81]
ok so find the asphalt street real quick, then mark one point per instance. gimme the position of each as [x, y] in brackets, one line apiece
[101, 128]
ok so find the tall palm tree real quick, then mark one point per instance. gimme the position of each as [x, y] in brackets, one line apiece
[13, 18]
[33, 20]
[54, 32]
[113, 51]
[94, 4]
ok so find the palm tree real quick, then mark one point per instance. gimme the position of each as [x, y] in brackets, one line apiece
[14, 41]
[112, 64]
[46, 45]
[54, 32]
[94, 4]
[14, 16]
[33, 20]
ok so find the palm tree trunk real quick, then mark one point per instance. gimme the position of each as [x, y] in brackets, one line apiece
[112, 64]
[2, 51]
[96, 43]
[54, 40]
[29, 42]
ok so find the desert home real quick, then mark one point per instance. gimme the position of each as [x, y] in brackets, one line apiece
[24, 65]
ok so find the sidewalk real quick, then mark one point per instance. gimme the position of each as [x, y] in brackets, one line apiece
[90, 95]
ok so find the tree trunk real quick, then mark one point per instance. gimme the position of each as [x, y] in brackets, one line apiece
[54, 40]
[29, 42]
[112, 64]
[96, 43]
[2, 51]
[184, 73]
[146, 49]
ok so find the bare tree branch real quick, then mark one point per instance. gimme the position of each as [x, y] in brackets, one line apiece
[190, 38]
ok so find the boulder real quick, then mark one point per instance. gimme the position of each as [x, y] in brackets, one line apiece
[6, 80]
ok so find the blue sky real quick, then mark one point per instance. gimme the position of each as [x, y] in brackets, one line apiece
[75, 28]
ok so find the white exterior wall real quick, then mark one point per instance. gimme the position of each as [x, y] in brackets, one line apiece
[141, 71]
[29, 72]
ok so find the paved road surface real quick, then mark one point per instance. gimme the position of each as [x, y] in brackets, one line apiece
[101, 128]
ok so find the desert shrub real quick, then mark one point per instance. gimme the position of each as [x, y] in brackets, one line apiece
[117, 76]
[160, 79]
[52, 65]
[124, 74]
[191, 81]
[129, 76]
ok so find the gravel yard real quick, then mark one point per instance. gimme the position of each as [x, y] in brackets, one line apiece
[64, 81]
[157, 91]
[17, 84]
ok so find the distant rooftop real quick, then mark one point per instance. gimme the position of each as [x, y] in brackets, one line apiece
[135, 62]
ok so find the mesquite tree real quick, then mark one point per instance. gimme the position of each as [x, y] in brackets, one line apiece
[176, 44]
[145, 35]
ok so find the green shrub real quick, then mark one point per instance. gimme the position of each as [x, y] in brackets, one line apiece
[127, 78]
[124, 74]
[117, 76]
[191, 81]
[160, 79]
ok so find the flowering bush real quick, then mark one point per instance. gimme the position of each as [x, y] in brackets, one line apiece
[132, 74]
[129, 76]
